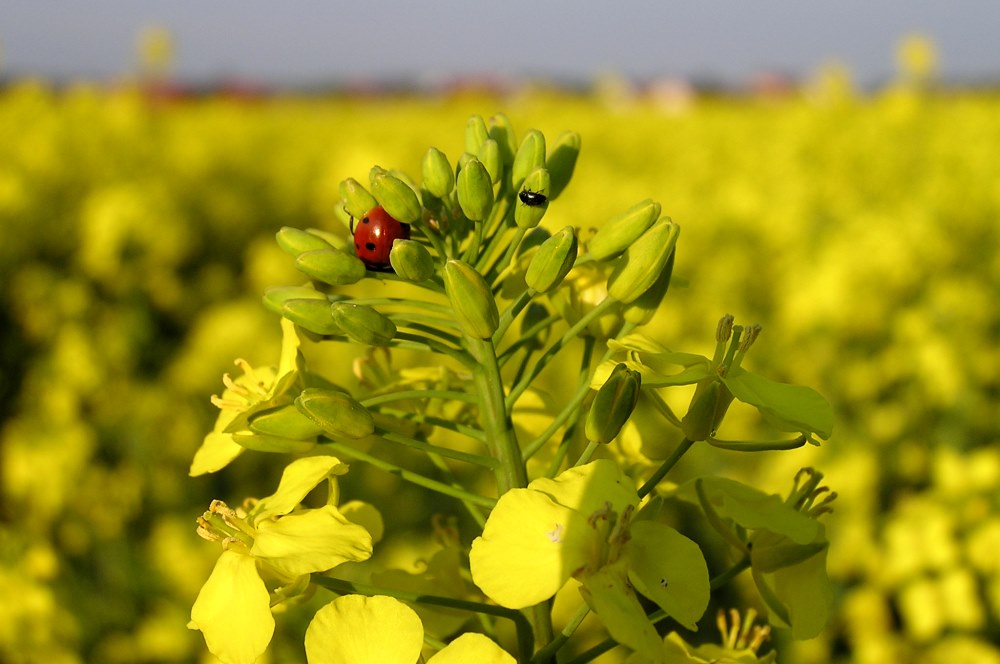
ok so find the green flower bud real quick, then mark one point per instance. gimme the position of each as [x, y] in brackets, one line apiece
[475, 133]
[708, 407]
[395, 195]
[642, 309]
[331, 266]
[613, 404]
[294, 241]
[699, 421]
[411, 260]
[284, 422]
[562, 161]
[622, 231]
[530, 155]
[643, 263]
[337, 413]
[363, 323]
[276, 296]
[553, 261]
[357, 200]
[489, 155]
[439, 177]
[475, 190]
[471, 299]
[311, 314]
[501, 131]
[528, 211]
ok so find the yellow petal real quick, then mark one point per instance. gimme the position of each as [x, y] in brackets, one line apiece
[589, 488]
[232, 610]
[298, 479]
[472, 647]
[310, 541]
[290, 343]
[529, 548]
[366, 515]
[355, 629]
[218, 448]
[215, 453]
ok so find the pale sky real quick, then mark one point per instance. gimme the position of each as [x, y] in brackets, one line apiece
[311, 41]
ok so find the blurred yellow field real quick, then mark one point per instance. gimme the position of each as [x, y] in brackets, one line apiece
[861, 232]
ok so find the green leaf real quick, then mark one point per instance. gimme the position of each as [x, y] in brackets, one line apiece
[772, 552]
[792, 407]
[753, 509]
[616, 605]
[806, 591]
[669, 569]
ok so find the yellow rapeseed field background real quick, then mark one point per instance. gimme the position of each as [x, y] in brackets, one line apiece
[136, 238]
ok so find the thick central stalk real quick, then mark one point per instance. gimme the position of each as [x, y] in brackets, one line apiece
[511, 472]
[499, 430]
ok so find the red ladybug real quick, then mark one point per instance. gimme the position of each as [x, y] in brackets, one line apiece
[373, 237]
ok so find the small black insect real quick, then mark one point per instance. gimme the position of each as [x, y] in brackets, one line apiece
[532, 198]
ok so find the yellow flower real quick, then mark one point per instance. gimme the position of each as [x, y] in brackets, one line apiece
[255, 391]
[273, 544]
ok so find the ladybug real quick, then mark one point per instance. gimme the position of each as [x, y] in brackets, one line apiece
[532, 198]
[373, 237]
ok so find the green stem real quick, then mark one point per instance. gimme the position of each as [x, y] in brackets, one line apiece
[529, 338]
[472, 250]
[570, 410]
[475, 459]
[475, 512]
[724, 578]
[525, 640]
[511, 312]
[662, 407]
[496, 424]
[418, 342]
[587, 453]
[408, 303]
[502, 441]
[432, 325]
[548, 651]
[495, 271]
[497, 235]
[435, 239]
[547, 356]
[410, 476]
[403, 395]
[434, 421]
[665, 467]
